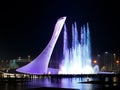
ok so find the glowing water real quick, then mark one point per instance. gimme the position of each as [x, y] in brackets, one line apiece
[77, 58]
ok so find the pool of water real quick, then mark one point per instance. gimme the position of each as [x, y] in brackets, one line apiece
[66, 83]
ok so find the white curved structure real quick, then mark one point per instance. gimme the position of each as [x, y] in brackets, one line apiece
[40, 64]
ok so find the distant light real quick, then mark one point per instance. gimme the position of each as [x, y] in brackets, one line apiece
[98, 55]
[114, 54]
[117, 61]
[106, 52]
[94, 61]
[49, 72]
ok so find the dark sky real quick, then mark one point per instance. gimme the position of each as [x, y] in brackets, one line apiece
[26, 26]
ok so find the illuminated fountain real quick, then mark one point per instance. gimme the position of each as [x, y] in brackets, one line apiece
[77, 58]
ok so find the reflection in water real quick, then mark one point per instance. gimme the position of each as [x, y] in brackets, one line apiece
[74, 83]
[61, 83]
[11, 86]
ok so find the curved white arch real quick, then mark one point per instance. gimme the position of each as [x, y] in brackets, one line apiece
[40, 64]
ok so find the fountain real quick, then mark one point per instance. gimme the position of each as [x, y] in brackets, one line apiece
[77, 58]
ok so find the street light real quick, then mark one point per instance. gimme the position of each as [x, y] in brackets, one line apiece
[94, 61]
[114, 56]
[117, 61]
[106, 60]
[106, 52]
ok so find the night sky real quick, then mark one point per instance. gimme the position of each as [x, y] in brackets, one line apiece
[26, 26]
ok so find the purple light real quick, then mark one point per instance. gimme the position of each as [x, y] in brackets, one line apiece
[40, 64]
[77, 58]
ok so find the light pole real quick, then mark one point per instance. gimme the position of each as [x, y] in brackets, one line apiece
[114, 59]
[117, 64]
[98, 58]
[106, 61]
